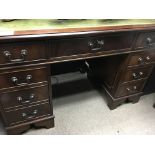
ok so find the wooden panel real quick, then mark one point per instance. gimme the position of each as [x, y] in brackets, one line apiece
[106, 70]
[24, 97]
[145, 40]
[135, 74]
[20, 52]
[20, 77]
[142, 58]
[77, 46]
[130, 88]
[150, 84]
[28, 114]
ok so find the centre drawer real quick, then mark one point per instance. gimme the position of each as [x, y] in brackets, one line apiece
[19, 77]
[28, 114]
[91, 44]
[136, 74]
[130, 88]
[24, 97]
[21, 52]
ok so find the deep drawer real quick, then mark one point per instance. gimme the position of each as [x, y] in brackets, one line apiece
[24, 97]
[28, 114]
[130, 88]
[142, 58]
[87, 45]
[19, 77]
[21, 52]
[136, 74]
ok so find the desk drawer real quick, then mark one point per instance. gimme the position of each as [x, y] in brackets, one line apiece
[77, 46]
[130, 88]
[19, 77]
[18, 52]
[145, 40]
[136, 74]
[24, 97]
[142, 58]
[28, 114]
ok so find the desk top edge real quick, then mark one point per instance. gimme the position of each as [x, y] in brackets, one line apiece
[23, 34]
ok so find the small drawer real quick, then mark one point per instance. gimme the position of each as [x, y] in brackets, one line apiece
[142, 58]
[136, 74]
[130, 88]
[87, 45]
[24, 97]
[28, 114]
[20, 77]
[145, 40]
[21, 52]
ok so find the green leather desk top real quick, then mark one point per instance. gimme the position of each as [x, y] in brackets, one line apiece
[33, 24]
[16, 27]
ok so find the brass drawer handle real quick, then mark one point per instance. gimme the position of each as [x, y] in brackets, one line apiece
[23, 101]
[28, 78]
[31, 115]
[148, 40]
[15, 80]
[141, 73]
[8, 55]
[137, 75]
[99, 44]
[148, 58]
[128, 89]
[133, 89]
[140, 59]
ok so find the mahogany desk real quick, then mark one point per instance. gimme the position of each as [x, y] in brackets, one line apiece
[120, 59]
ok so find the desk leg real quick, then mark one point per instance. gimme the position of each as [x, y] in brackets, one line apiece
[47, 122]
[113, 103]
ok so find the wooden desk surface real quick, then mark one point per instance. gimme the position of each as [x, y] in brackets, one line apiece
[53, 26]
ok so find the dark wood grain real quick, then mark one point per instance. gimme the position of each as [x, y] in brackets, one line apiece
[136, 74]
[17, 116]
[26, 76]
[36, 51]
[10, 99]
[145, 40]
[130, 88]
[79, 46]
[142, 58]
[43, 122]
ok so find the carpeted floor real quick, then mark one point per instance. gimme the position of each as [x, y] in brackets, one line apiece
[81, 109]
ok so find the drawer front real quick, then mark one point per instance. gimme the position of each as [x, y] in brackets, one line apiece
[24, 97]
[130, 88]
[136, 74]
[13, 78]
[145, 40]
[76, 46]
[142, 58]
[28, 114]
[18, 52]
